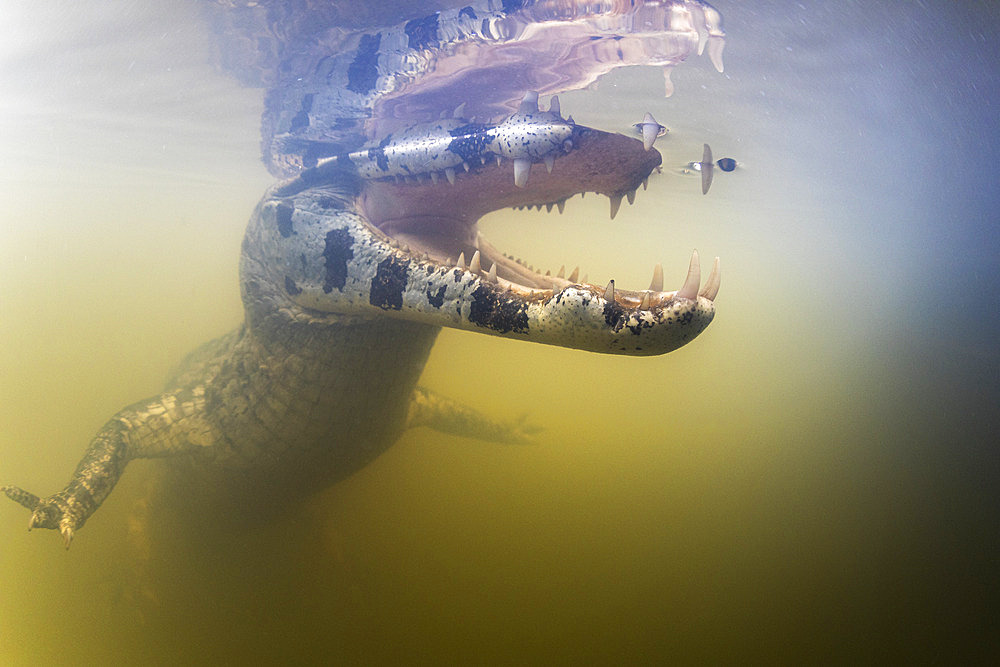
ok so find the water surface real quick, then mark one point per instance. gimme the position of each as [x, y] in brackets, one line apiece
[810, 480]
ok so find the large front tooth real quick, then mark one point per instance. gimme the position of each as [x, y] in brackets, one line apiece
[461, 260]
[711, 288]
[573, 276]
[550, 161]
[616, 203]
[554, 105]
[562, 272]
[715, 46]
[644, 305]
[529, 103]
[492, 276]
[609, 292]
[561, 205]
[474, 264]
[690, 289]
[522, 167]
[630, 196]
[657, 284]
[450, 172]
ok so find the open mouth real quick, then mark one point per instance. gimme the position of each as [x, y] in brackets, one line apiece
[434, 218]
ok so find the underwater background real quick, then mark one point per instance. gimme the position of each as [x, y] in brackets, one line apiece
[814, 479]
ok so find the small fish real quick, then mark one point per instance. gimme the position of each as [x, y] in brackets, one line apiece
[706, 169]
[650, 130]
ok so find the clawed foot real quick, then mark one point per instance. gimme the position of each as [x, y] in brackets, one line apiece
[53, 512]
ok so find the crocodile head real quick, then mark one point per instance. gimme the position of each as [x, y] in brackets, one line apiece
[392, 230]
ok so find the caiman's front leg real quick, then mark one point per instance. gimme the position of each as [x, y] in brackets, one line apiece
[167, 425]
[445, 415]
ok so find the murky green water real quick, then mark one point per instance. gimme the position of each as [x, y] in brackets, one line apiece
[808, 481]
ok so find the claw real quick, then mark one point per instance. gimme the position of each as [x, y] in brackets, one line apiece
[67, 533]
[690, 288]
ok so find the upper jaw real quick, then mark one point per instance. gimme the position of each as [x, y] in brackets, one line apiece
[438, 219]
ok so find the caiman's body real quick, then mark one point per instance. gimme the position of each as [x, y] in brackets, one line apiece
[348, 272]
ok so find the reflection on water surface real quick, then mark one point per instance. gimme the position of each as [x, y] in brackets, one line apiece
[811, 477]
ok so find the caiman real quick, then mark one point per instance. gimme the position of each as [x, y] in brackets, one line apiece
[370, 244]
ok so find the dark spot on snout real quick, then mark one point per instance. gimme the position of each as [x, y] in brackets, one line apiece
[283, 216]
[362, 73]
[614, 315]
[422, 33]
[492, 309]
[388, 284]
[337, 252]
[301, 119]
[436, 300]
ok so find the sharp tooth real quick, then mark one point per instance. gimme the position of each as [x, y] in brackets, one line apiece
[554, 105]
[561, 205]
[645, 302]
[548, 208]
[405, 249]
[668, 85]
[529, 103]
[449, 262]
[609, 292]
[492, 277]
[657, 284]
[548, 273]
[522, 167]
[585, 276]
[573, 276]
[461, 260]
[631, 197]
[450, 173]
[715, 46]
[434, 177]
[498, 160]
[690, 288]
[711, 288]
[459, 111]
[474, 264]
[465, 165]
[562, 272]
[645, 183]
[616, 203]
[550, 160]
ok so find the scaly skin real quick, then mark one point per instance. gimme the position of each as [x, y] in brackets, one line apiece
[348, 272]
